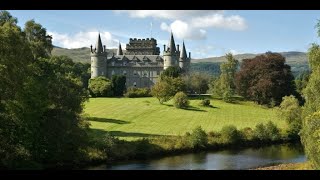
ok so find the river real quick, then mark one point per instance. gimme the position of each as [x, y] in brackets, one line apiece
[218, 160]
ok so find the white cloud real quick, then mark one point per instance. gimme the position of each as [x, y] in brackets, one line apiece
[191, 24]
[84, 39]
[234, 22]
[182, 30]
[168, 14]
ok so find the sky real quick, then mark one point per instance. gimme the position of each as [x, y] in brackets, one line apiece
[206, 33]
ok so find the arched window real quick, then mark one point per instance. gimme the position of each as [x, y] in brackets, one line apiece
[125, 72]
[134, 84]
[112, 73]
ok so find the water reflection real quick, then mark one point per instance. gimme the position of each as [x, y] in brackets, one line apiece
[227, 159]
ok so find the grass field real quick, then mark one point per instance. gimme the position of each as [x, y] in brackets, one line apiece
[132, 118]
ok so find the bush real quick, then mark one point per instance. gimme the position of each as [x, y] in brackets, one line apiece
[137, 92]
[230, 134]
[268, 132]
[205, 102]
[198, 138]
[310, 138]
[181, 100]
[247, 133]
[100, 87]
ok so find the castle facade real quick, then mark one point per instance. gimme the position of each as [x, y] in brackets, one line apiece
[141, 63]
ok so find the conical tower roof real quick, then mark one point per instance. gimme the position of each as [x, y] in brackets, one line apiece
[172, 46]
[99, 45]
[119, 51]
[183, 54]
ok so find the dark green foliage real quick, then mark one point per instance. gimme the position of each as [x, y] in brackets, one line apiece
[268, 132]
[265, 78]
[205, 102]
[197, 82]
[227, 96]
[118, 84]
[100, 87]
[172, 72]
[5, 17]
[181, 100]
[40, 41]
[40, 103]
[198, 138]
[230, 134]
[301, 80]
[137, 92]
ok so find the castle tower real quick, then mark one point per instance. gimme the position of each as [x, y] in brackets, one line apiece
[183, 58]
[98, 60]
[171, 54]
[119, 51]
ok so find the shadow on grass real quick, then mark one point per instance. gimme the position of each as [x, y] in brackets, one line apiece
[98, 133]
[191, 108]
[169, 105]
[116, 121]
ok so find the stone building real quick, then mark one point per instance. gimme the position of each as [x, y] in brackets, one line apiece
[142, 63]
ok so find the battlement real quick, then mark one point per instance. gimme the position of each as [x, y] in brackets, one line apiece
[142, 47]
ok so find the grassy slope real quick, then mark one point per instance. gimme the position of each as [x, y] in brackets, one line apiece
[289, 166]
[144, 117]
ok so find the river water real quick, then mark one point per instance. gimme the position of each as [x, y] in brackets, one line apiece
[218, 160]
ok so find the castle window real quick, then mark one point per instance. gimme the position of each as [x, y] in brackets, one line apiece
[102, 73]
[112, 73]
[134, 72]
[134, 84]
[112, 63]
[145, 73]
[158, 72]
[124, 72]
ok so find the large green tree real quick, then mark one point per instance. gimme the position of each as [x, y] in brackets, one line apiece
[118, 84]
[100, 87]
[265, 79]
[226, 81]
[40, 41]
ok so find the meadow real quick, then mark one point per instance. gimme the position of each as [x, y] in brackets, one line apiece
[132, 118]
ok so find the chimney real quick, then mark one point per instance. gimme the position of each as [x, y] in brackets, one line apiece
[91, 48]
[178, 47]
[164, 47]
[104, 48]
[189, 55]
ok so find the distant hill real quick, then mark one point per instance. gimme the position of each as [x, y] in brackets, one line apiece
[291, 56]
[78, 54]
[297, 60]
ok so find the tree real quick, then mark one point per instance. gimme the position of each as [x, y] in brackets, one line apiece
[197, 82]
[40, 42]
[226, 81]
[265, 79]
[172, 72]
[198, 138]
[5, 17]
[118, 84]
[290, 111]
[100, 87]
[162, 91]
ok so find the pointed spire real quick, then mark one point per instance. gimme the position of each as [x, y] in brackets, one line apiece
[99, 45]
[172, 45]
[119, 52]
[183, 54]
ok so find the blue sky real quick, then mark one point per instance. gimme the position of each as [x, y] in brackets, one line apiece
[206, 33]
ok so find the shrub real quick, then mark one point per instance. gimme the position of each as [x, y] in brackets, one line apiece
[181, 100]
[247, 133]
[100, 87]
[268, 132]
[198, 138]
[310, 138]
[205, 102]
[137, 92]
[230, 134]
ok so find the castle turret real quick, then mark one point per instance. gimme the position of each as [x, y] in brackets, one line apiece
[98, 59]
[171, 54]
[119, 51]
[183, 57]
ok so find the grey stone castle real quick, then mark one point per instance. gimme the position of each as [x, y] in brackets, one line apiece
[142, 63]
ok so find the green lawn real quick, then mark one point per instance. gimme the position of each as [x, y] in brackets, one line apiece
[132, 118]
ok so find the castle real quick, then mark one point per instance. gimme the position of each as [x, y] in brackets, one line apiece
[142, 63]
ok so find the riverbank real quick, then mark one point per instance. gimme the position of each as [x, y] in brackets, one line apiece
[288, 166]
